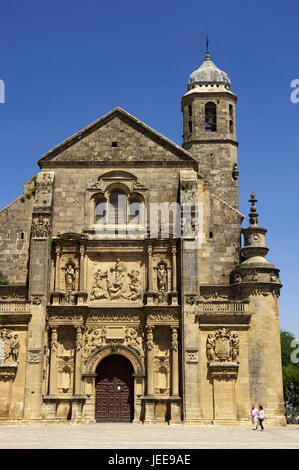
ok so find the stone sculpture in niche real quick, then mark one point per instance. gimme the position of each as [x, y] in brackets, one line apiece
[222, 346]
[162, 281]
[162, 368]
[70, 275]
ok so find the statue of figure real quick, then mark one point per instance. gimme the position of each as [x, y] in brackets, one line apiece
[116, 288]
[99, 290]
[70, 277]
[211, 347]
[119, 271]
[162, 278]
[2, 348]
[134, 285]
[134, 336]
[95, 341]
[14, 348]
[103, 334]
[235, 347]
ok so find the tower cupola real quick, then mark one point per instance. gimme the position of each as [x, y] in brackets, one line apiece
[208, 74]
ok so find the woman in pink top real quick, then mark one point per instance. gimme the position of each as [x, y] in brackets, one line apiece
[254, 414]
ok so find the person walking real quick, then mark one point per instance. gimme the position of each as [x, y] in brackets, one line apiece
[254, 414]
[261, 416]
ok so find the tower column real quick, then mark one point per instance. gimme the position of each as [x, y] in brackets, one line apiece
[82, 268]
[78, 360]
[53, 362]
[150, 404]
[150, 268]
[175, 361]
[57, 268]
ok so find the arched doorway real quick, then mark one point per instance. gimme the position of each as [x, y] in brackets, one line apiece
[114, 390]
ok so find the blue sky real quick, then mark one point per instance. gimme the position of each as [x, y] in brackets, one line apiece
[66, 63]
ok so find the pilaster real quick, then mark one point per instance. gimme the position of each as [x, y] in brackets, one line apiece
[39, 287]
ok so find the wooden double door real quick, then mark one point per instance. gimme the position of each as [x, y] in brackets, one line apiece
[114, 390]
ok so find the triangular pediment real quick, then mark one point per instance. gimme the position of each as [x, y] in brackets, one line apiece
[116, 137]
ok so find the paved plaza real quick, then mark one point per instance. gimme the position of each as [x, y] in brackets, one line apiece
[128, 436]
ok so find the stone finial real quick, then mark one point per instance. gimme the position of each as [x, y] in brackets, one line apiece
[253, 216]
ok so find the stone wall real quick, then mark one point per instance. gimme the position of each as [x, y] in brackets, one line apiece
[15, 223]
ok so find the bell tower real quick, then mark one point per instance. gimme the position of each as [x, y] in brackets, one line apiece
[208, 110]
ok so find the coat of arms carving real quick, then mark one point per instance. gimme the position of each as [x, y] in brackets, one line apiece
[222, 346]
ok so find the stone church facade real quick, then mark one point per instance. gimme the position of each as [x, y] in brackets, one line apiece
[126, 294]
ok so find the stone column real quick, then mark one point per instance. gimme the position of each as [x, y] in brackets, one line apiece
[174, 269]
[150, 268]
[78, 360]
[175, 405]
[53, 362]
[82, 269]
[52, 275]
[150, 360]
[174, 294]
[38, 287]
[57, 268]
[150, 404]
[150, 293]
[175, 362]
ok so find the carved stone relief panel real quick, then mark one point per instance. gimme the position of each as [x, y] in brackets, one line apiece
[112, 318]
[191, 356]
[40, 227]
[163, 318]
[118, 280]
[34, 356]
[97, 337]
[9, 346]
